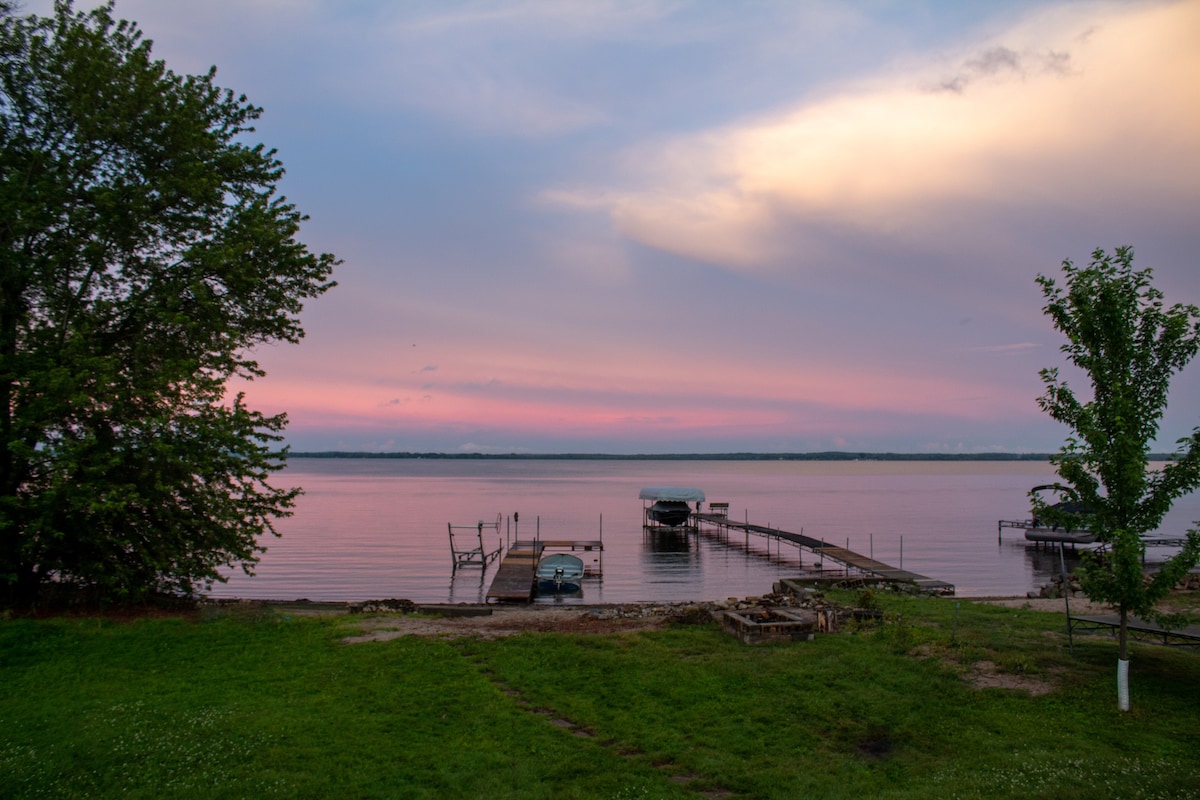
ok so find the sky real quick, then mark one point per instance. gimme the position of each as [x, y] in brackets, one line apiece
[704, 227]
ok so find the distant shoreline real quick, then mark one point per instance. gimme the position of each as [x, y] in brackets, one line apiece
[821, 456]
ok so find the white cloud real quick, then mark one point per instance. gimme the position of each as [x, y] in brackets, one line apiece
[1077, 105]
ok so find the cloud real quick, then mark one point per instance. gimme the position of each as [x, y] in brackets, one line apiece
[481, 66]
[1007, 349]
[486, 449]
[1084, 106]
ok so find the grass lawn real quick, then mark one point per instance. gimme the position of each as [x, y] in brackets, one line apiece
[269, 705]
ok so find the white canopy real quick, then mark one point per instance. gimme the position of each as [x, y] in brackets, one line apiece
[674, 493]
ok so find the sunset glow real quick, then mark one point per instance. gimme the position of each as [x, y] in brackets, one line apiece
[695, 228]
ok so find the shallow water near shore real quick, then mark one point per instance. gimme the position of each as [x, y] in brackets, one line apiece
[377, 528]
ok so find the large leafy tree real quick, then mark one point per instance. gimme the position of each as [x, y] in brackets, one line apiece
[144, 253]
[1129, 345]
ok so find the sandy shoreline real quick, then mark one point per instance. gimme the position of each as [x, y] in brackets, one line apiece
[375, 622]
[1079, 605]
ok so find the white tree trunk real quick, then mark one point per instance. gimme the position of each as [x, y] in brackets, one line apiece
[1123, 684]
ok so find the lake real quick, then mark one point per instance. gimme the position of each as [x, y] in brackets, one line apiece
[377, 528]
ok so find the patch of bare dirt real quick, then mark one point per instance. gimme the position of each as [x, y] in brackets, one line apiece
[512, 620]
[984, 675]
[1175, 603]
[1079, 605]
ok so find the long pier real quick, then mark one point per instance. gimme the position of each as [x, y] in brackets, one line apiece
[864, 565]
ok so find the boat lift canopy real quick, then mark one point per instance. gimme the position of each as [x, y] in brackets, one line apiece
[677, 494]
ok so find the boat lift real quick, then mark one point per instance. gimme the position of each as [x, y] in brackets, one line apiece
[475, 545]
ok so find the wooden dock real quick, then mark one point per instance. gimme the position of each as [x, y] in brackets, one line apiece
[515, 582]
[863, 565]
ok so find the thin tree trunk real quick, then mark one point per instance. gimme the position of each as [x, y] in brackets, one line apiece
[1123, 663]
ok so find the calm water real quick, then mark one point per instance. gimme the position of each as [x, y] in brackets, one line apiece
[373, 529]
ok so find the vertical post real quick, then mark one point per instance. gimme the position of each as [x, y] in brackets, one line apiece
[902, 551]
[1062, 565]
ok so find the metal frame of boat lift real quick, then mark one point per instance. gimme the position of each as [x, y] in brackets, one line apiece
[479, 554]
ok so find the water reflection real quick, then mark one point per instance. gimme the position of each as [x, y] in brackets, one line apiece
[469, 584]
[1045, 562]
[667, 556]
[367, 529]
[568, 594]
[660, 540]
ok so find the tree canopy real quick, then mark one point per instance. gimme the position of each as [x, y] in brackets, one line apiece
[1129, 345]
[144, 254]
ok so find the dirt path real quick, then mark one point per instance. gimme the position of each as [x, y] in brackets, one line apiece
[497, 621]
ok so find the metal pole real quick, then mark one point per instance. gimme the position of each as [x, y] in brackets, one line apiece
[901, 551]
[1062, 565]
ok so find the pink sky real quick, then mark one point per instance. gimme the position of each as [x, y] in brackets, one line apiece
[705, 227]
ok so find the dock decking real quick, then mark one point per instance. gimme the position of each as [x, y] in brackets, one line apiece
[852, 560]
[513, 582]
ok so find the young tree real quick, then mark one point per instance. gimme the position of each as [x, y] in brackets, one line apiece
[144, 253]
[1121, 336]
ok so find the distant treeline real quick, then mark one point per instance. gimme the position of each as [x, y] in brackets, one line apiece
[825, 456]
[834, 455]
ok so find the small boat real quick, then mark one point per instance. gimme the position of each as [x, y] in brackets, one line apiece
[670, 504]
[559, 570]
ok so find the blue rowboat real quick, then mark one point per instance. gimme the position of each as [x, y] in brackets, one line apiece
[559, 569]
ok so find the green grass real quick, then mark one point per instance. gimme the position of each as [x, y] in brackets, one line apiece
[271, 706]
